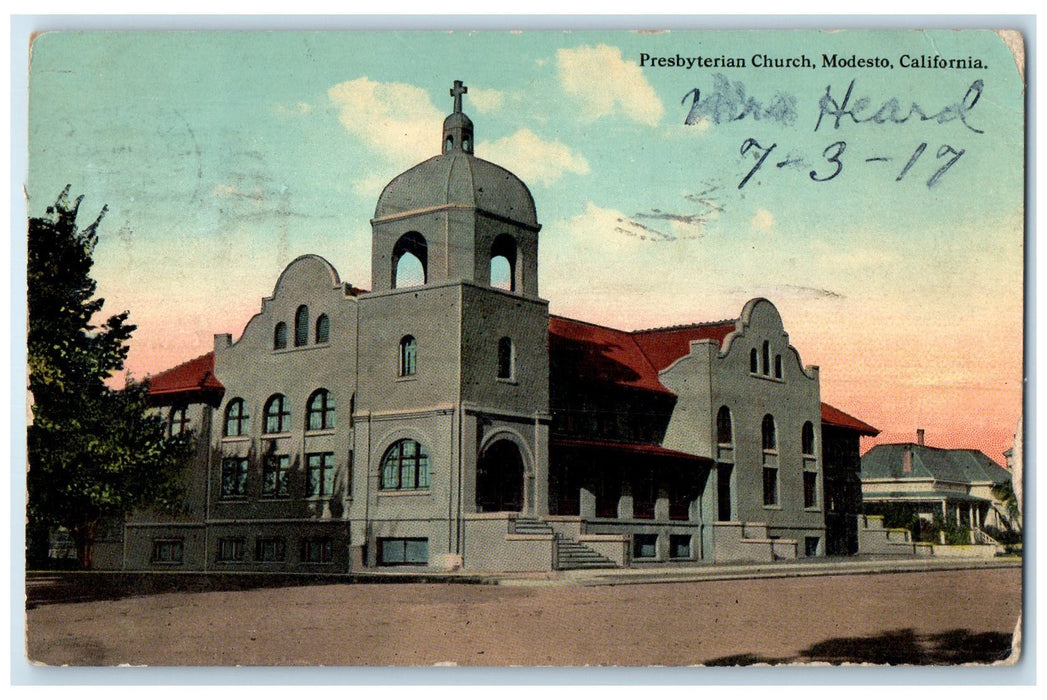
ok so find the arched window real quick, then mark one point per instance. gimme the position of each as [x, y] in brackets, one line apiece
[277, 414]
[319, 413]
[410, 261]
[301, 326]
[177, 421]
[323, 329]
[807, 438]
[770, 438]
[754, 362]
[408, 356]
[280, 336]
[724, 432]
[766, 366]
[405, 465]
[236, 418]
[503, 263]
[777, 366]
[506, 358]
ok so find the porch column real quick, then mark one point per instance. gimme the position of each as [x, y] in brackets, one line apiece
[625, 506]
[541, 465]
[586, 503]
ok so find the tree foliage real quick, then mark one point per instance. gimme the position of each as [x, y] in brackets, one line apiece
[95, 453]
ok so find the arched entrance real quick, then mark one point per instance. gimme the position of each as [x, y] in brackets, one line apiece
[500, 478]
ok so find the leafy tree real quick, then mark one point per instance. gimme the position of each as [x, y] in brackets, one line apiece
[1004, 493]
[95, 453]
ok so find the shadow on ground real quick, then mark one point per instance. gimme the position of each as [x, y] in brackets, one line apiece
[55, 587]
[896, 647]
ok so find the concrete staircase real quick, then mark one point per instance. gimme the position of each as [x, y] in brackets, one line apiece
[874, 538]
[570, 554]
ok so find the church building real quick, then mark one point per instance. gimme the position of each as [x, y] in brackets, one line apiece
[445, 419]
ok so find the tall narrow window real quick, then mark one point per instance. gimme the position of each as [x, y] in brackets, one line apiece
[177, 421]
[234, 477]
[280, 336]
[505, 358]
[277, 414]
[275, 476]
[754, 362]
[320, 474]
[320, 410]
[408, 356]
[236, 418]
[777, 366]
[770, 439]
[810, 489]
[323, 329]
[724, 433]
[766, 366]
[405, 465]
[807, 439]
[301, 326]
[770, 486]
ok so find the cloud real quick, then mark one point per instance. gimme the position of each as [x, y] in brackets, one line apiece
[533, 159]
[605, 84]
[763, 221]
[396, 120]
[486, 101]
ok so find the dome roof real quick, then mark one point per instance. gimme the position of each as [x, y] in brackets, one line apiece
[459, 178]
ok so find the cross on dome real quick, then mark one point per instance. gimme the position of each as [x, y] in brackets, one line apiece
[456, 92]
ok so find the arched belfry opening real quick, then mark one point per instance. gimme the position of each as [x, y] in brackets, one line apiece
[503, 263]
[410, 261]
[500, 478]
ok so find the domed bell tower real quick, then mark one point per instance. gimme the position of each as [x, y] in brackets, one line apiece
[456, 217]
[455, 298]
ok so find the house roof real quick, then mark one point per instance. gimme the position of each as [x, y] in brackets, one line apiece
[837, 418]
[193, 377]
[953, 496]
[958, 466]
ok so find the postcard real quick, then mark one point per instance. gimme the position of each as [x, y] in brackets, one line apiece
[579, 348]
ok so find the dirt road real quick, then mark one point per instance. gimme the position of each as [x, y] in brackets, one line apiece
[932, 617]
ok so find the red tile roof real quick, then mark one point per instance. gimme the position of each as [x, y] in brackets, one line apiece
[836, 417]
[193, 377]
[664, 346]
[639, 448]
[599, 354]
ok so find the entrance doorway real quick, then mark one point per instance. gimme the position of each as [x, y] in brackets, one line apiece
[500, 478]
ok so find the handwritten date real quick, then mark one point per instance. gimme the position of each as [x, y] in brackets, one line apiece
[834, 159]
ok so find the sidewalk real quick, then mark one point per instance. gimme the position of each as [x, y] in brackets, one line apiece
[725, 572]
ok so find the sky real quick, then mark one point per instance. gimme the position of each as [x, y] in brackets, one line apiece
[666, 194]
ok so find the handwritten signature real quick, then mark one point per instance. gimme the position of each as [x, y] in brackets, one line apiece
[891, 112]
[730, 101]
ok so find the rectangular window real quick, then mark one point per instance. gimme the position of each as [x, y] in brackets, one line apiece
[320, 474]
[770, 486]
[270, 549]
[168, 551]
[723, 491]
[810, 546]
[316, 550]
[680, 546]
[231, 549]
[810, 489]
[275, 476]
[403, 550]
[645, 546]
[234, 477]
